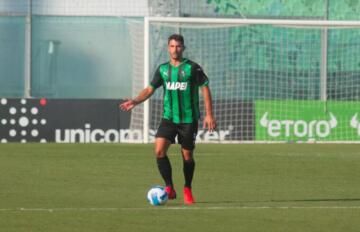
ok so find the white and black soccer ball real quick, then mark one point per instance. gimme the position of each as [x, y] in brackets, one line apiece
[157, 195]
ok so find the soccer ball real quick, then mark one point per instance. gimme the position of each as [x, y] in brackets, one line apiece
[157, 195]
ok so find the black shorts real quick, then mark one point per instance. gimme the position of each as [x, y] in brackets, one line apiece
[186, 133]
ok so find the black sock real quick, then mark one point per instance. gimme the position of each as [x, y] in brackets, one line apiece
[189, 167]
[165, 170]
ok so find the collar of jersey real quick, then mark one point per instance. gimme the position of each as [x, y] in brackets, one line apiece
[182, 62]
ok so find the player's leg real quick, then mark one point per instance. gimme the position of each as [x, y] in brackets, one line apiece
[188, 166]
[162, 160]
[164, 137]
[187, 135]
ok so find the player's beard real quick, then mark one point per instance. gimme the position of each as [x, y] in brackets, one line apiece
[176, 56]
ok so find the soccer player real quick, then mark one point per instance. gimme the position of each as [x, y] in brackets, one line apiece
[181, 79]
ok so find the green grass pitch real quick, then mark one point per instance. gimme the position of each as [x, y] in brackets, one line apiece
[257, 187]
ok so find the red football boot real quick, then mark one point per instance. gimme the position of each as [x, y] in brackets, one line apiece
[188, 197]
[171, 192]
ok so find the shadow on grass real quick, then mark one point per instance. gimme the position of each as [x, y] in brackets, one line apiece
[281, 201]
[319, 200]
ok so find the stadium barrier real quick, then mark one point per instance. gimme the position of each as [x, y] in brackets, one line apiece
[101, 121]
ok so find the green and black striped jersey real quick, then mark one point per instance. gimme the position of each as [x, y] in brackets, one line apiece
[181, 90]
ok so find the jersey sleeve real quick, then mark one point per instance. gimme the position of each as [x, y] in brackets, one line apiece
[157, 81]
[199, 76]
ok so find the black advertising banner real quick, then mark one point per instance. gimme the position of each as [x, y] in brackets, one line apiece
[235, 119]
[62, 120]
[101, 121]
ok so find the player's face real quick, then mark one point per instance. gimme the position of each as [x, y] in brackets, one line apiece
[175, 49]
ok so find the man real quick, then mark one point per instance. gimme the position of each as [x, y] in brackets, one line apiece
[180, 79]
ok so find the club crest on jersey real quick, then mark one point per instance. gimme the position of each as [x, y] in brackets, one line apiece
[176, 85]
[182, 73]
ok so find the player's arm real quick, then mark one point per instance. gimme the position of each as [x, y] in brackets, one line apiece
[209, 120]
[145, 93]
[143, 96]
[203, 81]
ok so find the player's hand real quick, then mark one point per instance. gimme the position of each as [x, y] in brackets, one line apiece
[127, 105]
[209, 123]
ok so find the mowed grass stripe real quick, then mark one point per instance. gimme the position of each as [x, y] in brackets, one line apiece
[252, 187]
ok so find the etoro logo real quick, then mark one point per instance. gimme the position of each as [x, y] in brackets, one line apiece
[354, 123]
[21, 121]
[298, 128]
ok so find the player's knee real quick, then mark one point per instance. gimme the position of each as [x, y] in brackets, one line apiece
[160, 153]
[188, 159]
[187, 155]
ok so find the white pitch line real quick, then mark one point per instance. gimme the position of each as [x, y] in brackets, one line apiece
[51, 210]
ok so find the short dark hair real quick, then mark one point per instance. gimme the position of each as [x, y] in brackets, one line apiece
[176, 37]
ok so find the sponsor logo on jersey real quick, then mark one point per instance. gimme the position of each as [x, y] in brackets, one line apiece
[165, 73]
[176, 85]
